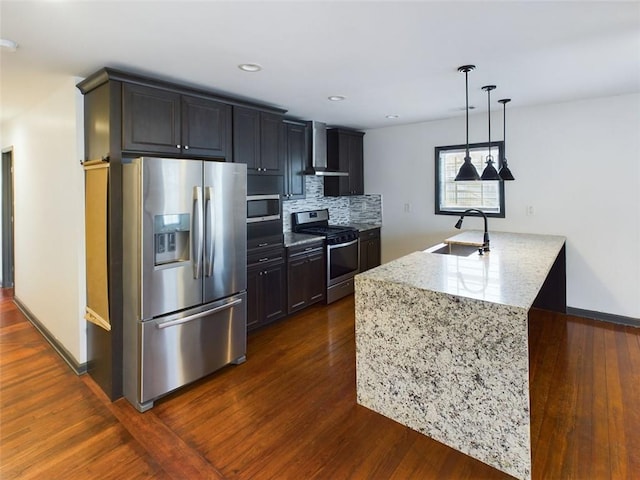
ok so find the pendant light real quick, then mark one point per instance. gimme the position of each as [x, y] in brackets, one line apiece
[467, 170]
[505, 173]
[490, 172]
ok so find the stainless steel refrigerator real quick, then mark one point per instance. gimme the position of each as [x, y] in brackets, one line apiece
[184, 272]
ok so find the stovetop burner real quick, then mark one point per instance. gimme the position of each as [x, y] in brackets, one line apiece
[316, 222]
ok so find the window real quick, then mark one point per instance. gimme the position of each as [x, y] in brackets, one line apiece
[453, 198]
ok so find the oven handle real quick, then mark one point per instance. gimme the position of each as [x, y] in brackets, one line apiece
[340, 245]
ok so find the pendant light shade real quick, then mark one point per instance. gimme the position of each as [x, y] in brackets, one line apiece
[467, 170]
[505, 173]
[490, 172]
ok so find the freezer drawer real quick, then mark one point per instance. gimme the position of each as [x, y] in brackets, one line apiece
[178, 349]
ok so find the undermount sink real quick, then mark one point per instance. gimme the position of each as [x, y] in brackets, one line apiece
[453, 249]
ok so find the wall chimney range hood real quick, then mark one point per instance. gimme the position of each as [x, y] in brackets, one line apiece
[318, 152]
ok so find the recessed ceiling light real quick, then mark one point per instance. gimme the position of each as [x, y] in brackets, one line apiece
[8, 45]
[336, 98]
[250, 67]
[392, 117]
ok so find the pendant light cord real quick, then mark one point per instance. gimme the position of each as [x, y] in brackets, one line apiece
[489, 114]
[504, 129]
[466, 89]
[488, 89]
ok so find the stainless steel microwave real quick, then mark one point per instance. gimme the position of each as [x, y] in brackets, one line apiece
[263, 208]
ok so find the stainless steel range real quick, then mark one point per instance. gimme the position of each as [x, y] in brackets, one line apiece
[342, 248]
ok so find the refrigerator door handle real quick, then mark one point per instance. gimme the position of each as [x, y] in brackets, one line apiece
[196, 232]
[195, 316]
[211, 231]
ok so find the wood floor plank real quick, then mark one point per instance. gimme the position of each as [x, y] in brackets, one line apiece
[622, 386]
[631, 395]
[547, 335]
[599, 458]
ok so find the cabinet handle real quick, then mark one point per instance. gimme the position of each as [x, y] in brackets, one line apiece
[178, 146]
[263, 244]
[186, 147]
[263, 259]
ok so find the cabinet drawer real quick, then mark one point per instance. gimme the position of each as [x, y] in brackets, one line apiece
[181, 348]
[265, 256]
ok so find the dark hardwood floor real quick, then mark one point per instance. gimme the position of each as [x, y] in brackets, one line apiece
[290, 412]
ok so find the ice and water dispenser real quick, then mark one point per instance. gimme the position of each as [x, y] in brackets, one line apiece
[171, 236]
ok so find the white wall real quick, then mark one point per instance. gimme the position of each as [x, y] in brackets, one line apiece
[1, 195]
[49, 213]
[577, 164]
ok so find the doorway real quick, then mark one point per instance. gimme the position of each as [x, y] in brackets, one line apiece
[6, 197]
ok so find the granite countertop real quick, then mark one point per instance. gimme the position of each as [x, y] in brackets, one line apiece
[360, 226]
[510, 274]
[292, 239]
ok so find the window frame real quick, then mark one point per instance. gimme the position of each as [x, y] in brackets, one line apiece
[498, 157]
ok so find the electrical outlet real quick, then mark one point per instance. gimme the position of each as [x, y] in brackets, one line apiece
[407, 208]
[530, 210]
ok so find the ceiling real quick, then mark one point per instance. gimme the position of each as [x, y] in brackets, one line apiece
[386, 58]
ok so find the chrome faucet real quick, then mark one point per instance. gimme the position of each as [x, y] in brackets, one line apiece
[485, 242]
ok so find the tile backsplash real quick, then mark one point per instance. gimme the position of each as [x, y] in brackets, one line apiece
[355, 209]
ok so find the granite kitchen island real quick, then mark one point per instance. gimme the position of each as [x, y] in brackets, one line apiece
[442, 342]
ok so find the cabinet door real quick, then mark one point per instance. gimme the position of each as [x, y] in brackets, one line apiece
[151, 120]
[206, 127]
[373, 253]
[345, 153]
[246, 138]
[356, 165]
[369, 249]
[344, 183]
[296, 283]
[295, 160]
[254, 296]
[316, 278]
[275, 302]
[271, 158]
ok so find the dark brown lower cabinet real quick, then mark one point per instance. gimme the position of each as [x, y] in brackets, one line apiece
[306, 275]
[266, 287]
[369, 249]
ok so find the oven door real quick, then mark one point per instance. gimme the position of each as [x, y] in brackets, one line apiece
[343, 260]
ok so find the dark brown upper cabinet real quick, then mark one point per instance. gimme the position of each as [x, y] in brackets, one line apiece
[257, 141]
[162, 121]
[345, 153]
[295, 159]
